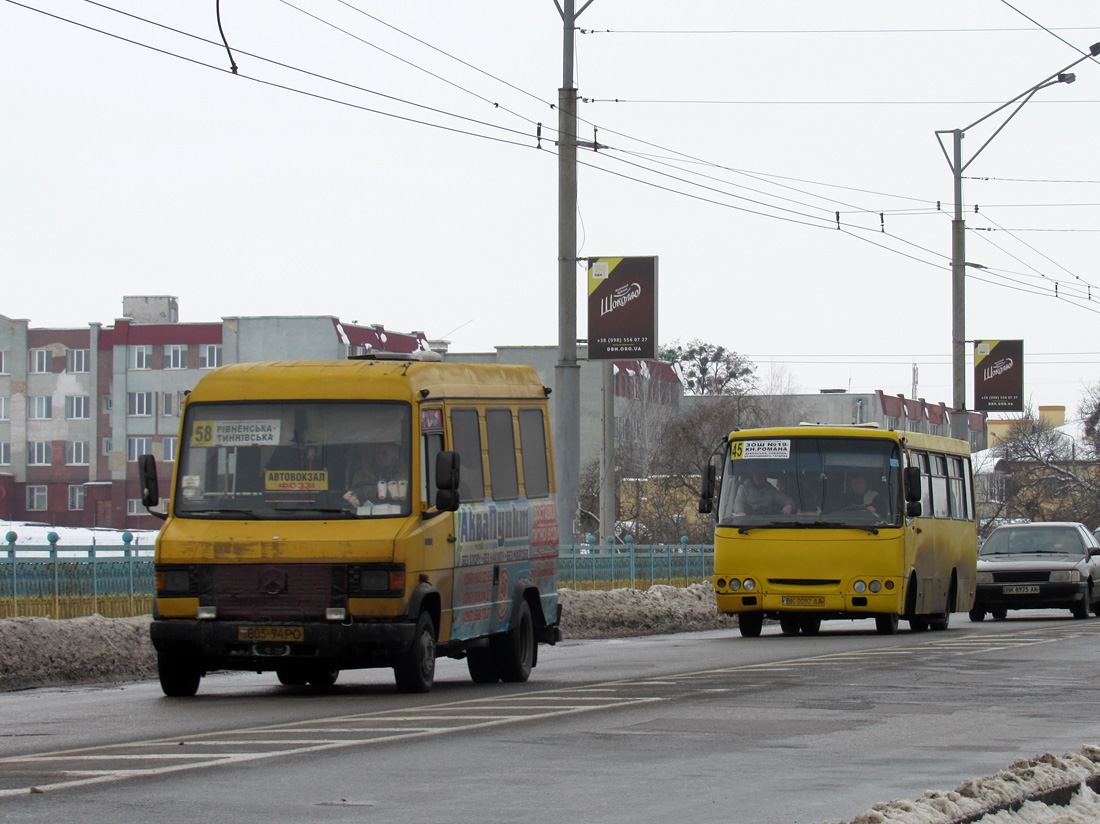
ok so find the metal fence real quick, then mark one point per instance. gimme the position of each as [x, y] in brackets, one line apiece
[69, 582]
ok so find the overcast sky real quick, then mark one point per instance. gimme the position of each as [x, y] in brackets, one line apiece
[380, 161]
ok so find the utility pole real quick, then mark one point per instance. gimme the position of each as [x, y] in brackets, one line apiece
[567, 372]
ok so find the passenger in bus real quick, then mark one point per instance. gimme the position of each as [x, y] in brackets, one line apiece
[859, 496]
[381, 475]
[759, 497]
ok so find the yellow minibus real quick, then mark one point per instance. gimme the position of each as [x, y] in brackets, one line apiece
[855, 522]
[374, 512]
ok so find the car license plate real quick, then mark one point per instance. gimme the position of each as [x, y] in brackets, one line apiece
[283, 634]
[1021, 589]
[803, 601]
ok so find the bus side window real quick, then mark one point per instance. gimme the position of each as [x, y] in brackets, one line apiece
[432, 446]
[940, 501]
[503, 480]
[925, 483]
[955, 484]
[532, 439]
[466, 436]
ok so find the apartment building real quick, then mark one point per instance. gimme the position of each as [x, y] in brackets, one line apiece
[78, 406]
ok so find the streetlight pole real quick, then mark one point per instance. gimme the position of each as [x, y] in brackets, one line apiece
[960, 424]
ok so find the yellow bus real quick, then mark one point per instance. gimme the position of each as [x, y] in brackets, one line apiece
[330, 515]
[853, 522]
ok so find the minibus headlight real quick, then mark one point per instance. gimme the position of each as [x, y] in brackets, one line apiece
[860, 586]
[750, 584]
[373, 579]
[735, 584]
[876, 586]
[207, 613]
[1065, 576]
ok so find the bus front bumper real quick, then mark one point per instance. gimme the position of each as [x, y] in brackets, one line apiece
[257, 647]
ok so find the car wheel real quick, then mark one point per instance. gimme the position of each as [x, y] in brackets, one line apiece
[999, 614]
[750, 624]
[977, 614]
[1080, 610]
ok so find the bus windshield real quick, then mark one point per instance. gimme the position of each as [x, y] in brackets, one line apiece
[811, 481]
[294, 460]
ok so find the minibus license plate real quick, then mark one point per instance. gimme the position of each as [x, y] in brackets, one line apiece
[283, 634]
[1021, 589]
[803, 601]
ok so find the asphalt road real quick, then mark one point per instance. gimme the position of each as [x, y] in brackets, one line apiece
[698, 726]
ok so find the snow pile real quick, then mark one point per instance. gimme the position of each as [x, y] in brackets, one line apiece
[41, 652]
[627, 612]
[1003, 798]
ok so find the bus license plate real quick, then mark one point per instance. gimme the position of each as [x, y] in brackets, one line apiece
[1021, 589]
[282, 634]
[803, 601]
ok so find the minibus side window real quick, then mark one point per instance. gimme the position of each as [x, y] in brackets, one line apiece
[925, 483]
[532, 439]
[503, 478]
[955, 484]
[939, 487]
[466, 435]
[432, 446]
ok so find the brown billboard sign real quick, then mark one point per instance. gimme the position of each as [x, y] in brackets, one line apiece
[999, 376]
[622, 308]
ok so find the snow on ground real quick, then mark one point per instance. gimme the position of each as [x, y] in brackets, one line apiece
[41, 652]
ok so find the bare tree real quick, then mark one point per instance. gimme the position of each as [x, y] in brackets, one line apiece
[711, 369]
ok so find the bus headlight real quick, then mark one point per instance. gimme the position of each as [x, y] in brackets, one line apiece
[750, 584]
[876, 586]
[860, 586]
[735, 584]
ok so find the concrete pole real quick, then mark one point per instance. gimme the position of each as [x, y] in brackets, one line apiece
[567, 380]
[608, 508]
[960, 418]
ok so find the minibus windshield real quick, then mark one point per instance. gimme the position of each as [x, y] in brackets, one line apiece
[295, 460]
[811, 482]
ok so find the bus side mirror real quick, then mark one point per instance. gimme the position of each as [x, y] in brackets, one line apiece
[150, 489]
[913, 509]
[147, 474]
[446, 481]
[912, 483]
[706, 497]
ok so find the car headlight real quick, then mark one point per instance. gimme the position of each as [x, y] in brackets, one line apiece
[985, 577]
[1065, 576]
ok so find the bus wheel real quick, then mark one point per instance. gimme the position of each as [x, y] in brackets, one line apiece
[789, 624]
[750, 623]
[415, 671]
[977, 614]
[943, 620]
[178, 679]
[291, 677]
[483, 666]
[322, 677]
[810, 626]
[886, 624]
[515, 649]
[918, 624]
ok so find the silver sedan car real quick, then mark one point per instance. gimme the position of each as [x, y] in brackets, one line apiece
[1038, 566]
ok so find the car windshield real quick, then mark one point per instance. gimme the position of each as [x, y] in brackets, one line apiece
[294, 460]
[811, 482]
[1029, 540]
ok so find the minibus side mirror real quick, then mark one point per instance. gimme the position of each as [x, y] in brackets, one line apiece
[913, 509]
[150, 489]
[912, 483]
[706, 497]
[446, 481]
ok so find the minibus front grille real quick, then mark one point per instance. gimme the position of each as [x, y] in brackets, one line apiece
[803, 582]
[273, 592]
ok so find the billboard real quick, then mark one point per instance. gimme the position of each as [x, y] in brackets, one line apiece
[622, 308]
[999, 375]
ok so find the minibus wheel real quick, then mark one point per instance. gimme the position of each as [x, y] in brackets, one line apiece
[886, 624]
[482, 665]
[809, 626]
[515, 649]
[291, 677]
[750, 624]
[178, 679]
[415, 671]
[789, 624]
[322, 677]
